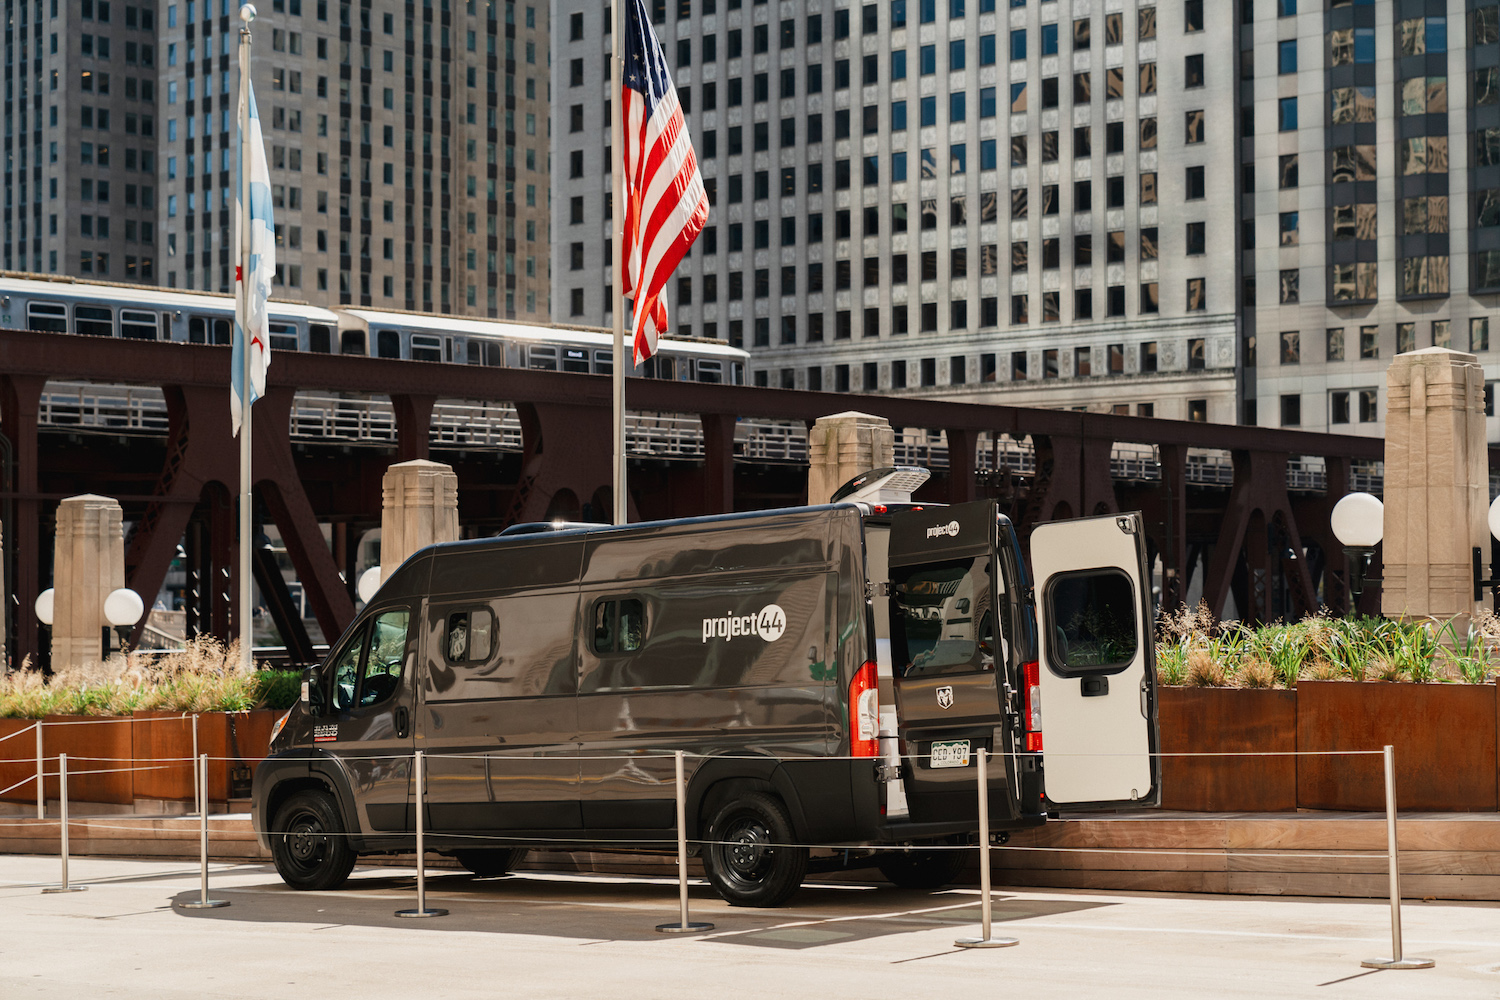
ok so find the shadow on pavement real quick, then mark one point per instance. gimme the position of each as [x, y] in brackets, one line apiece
[593, 909]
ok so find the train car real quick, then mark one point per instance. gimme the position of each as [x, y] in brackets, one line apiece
[56, 304]
[585, 350]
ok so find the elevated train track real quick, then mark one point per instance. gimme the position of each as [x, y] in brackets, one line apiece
[148, 422]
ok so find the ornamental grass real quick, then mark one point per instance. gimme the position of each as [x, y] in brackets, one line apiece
[204, 676]
[1193, 649]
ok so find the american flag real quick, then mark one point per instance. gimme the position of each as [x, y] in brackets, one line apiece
[665, 203]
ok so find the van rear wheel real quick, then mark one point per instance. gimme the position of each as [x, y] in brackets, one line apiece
[923, 869]
[309, 844]
[748, 860]
[490, 863]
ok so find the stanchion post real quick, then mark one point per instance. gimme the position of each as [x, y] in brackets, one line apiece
[203, 902]
[683, 925]
[200, 795]
[62, 799]
[986, 941]
[41, 788]
[422, 909]
[1397, 960]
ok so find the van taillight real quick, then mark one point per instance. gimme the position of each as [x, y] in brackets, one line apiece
[1031, 704]
[864, 712]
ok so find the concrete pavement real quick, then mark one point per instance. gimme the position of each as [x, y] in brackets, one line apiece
[554, 935]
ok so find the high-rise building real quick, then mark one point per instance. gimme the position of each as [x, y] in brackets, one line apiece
[408, 170]
[1370, 222]
[80, 143]
[407, 144]
[962, 198]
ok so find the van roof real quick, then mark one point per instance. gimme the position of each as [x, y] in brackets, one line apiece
[574, 530]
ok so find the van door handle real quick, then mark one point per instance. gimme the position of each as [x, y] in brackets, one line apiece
[403, 722]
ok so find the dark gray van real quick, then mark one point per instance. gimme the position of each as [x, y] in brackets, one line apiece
[830, 671]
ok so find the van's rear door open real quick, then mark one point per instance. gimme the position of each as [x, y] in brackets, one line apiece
[948, 660]
[1097, 670]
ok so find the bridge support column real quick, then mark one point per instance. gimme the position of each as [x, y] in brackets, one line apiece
[842, 446]
[20, 398]
[419, 508]
[1436, 484]
[718, 463]
[88, 563]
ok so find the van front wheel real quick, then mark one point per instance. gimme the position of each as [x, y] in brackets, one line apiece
[748, 859]
[309, 844]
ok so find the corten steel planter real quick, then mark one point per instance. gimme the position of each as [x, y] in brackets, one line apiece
[107, 740]
[167, 737]
[17, 760]
[1199, 720]
[1444, 735]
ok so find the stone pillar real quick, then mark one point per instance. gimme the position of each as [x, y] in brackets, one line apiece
[1436, 484]
[841, 446]
[419, 507]
[88, 563]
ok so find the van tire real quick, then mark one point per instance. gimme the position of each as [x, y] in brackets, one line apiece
[490, 863]
[309, 844]
[740, 869]
[923, 869]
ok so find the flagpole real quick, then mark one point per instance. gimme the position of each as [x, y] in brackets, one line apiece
[245, 616]
[617, 227]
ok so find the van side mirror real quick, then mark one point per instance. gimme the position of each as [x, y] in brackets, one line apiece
[312, 691]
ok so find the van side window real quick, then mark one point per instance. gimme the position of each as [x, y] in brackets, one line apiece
[368, 669]
[382, 673]
[619, 626]
[470, 636]
[1091, 621]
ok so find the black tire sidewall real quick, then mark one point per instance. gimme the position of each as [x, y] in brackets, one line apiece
[789, 864]
[490, 862]
[338, 856]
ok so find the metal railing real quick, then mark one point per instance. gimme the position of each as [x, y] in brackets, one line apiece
[496, 426]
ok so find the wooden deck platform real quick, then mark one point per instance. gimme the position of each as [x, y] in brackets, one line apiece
[1443, 855]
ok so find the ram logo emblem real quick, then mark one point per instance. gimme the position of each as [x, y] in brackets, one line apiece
[945, 697]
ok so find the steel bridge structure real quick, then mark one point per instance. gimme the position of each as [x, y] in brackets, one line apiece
[1239, 512]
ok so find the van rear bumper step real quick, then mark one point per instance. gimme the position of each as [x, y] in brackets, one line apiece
[899, 832]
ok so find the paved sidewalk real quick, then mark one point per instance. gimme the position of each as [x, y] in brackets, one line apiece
[571, 936]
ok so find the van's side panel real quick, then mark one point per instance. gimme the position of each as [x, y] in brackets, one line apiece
[500, 720]
[731, 660]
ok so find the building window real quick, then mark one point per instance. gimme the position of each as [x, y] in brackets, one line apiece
[1291, 411]
[1194, 130]
[1479, 334]
[1335, 344]
[1406, 337]
[1286, 119]
[1197, 294]
[1286, 57]
[1289, 233]
[1291, 347]
[1338, 407]
[1369, 342]
[1196, 238]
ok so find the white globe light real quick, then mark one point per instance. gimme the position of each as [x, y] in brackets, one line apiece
[247, 13]
[368, 583]
[1495, 518]
[44, 606]
[123, 607]
[1359, 520]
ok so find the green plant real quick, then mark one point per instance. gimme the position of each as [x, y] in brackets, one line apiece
[1469, 655]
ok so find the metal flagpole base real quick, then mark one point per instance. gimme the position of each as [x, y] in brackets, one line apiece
[429, 912]
[1397, 963]
[63, 888]
[993, 942]
[204, 904]
[692, 927]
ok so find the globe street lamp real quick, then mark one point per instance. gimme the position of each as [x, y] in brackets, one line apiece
[122, 609]
[1359, 523]
[1479, 582]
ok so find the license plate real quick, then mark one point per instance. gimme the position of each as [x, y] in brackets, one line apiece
[950, 753]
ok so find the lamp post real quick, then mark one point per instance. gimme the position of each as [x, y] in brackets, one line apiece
[122, 609]
[1359, 523]
[1479, 582]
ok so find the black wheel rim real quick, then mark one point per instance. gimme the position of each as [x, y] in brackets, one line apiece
[306, 843]
[746, 857]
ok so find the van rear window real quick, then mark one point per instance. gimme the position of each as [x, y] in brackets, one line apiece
[1091, 621]
[943, 618]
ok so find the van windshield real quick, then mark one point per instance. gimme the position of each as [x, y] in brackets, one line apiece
[943, 618]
